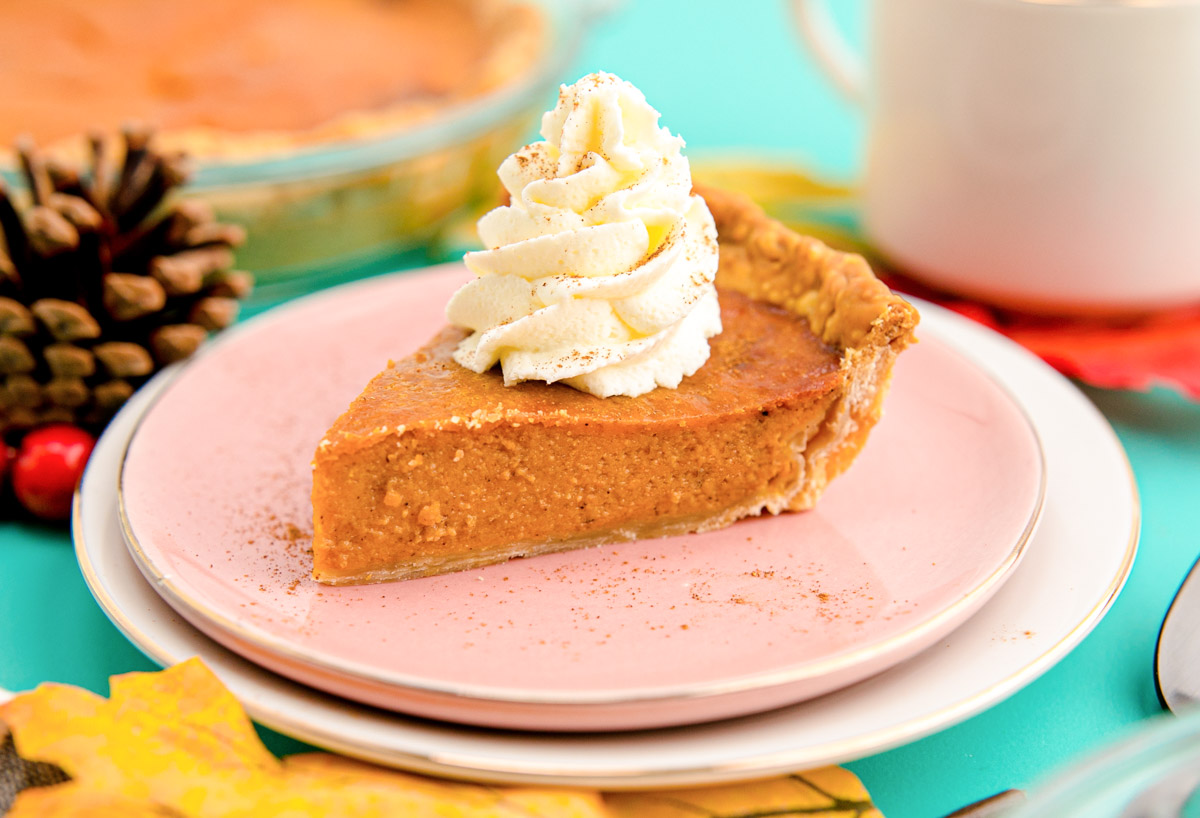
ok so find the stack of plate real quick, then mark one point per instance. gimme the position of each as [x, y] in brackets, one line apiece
[984, 531]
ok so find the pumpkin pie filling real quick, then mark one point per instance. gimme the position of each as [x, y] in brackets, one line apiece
[436, 468]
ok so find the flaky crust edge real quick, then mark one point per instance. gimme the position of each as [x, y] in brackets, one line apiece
[845, 305]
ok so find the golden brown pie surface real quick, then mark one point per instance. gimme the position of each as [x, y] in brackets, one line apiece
[764, 356]
[436, 468]
[245, 66]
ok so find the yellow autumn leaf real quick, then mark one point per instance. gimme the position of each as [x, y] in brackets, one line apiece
[823, 210]
[767, 182]
[830, 792]
[176, 743]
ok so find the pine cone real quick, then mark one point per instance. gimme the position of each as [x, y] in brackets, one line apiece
[103, 282]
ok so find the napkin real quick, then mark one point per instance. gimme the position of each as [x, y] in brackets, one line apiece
[176, 742]
[1154, 349]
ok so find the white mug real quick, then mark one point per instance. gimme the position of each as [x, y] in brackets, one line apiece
[1038, 154]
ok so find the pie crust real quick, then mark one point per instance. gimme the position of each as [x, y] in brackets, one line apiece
[435, 468]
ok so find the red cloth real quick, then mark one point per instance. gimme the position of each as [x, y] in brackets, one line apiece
[1157, 349]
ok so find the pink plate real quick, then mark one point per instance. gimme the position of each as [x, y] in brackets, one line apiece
[919, 533]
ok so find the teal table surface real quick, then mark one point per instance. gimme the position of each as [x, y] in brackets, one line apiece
[733, 76]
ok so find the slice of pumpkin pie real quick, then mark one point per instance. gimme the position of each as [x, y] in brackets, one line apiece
[635, 359]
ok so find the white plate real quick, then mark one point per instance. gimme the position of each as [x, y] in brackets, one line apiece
[1075, 566]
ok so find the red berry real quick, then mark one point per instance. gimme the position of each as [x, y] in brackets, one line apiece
[48, 467]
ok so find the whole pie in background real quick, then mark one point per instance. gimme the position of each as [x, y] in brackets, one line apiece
[224, 77]
[339, 133]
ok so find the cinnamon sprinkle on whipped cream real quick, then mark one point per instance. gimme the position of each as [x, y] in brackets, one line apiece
[599, 273]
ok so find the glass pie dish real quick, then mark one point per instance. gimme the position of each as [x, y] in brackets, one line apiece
[316, 211]
[365, 195]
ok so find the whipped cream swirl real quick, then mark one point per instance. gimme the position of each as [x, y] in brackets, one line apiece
[599, 273]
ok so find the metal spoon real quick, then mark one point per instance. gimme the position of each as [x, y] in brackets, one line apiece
[1177, 681]
[1177, 655]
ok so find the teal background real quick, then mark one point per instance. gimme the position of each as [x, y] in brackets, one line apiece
[732, 76]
